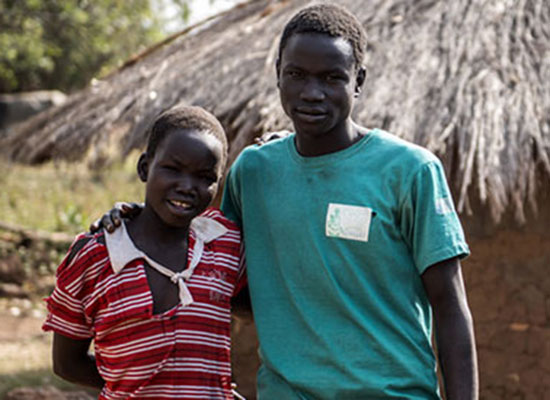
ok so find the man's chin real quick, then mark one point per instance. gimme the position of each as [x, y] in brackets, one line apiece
[310, 132]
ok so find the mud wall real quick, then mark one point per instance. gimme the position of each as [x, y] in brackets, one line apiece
[508, 284]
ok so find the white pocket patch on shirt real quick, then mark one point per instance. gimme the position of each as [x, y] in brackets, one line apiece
[348, 222]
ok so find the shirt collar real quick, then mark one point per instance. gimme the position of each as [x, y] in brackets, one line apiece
[122, 250]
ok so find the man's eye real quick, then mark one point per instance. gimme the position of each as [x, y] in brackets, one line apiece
[334, 78]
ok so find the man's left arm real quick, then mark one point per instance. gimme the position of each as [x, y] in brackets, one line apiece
[454, 329]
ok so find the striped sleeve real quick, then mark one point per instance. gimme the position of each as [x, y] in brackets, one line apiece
[234, 246]
[66, 304]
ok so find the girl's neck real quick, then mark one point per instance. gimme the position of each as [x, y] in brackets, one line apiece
[147, 230]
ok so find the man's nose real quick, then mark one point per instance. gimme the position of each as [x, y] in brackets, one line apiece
[312, 91]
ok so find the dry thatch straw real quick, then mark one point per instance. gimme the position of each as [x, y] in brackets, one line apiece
[469, 79]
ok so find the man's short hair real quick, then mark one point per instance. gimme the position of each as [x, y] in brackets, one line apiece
[187, 118]
[328, 19]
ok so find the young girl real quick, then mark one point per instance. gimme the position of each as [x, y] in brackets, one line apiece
[155, 295]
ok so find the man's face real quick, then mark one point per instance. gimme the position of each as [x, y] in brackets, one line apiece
[183, 175]
[317, 79]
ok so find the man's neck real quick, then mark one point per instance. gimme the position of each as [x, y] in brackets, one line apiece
[333, 142]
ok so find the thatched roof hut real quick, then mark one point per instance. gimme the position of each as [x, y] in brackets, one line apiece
[470, 80]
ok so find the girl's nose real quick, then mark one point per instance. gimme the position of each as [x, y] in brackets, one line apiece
[186, 183]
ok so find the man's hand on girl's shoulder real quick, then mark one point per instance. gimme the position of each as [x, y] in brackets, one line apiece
[113, 218]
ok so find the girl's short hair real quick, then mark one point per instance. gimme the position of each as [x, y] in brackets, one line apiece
[185, 117]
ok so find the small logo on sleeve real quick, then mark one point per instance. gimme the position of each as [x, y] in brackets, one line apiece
[348, 222]
[444, 205]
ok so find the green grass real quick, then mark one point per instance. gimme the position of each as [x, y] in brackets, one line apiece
[64, 197]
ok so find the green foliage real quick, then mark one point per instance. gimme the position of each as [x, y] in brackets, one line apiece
[62, 44]
[70, 219]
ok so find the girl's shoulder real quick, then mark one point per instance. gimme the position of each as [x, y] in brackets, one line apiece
[217, 215]
[87, 250]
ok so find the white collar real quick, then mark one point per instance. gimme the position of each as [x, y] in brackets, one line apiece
[122, 250]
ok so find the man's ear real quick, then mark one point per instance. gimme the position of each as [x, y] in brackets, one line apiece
[143, 167]
[359, 80]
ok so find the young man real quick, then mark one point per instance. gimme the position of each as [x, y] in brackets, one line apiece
[351, 237]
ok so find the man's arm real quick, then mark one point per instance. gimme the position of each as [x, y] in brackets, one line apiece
[72, 362]
[241, 306]
[454, 329]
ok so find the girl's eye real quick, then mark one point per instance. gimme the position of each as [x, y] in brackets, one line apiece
[209, 178]
[294, 74]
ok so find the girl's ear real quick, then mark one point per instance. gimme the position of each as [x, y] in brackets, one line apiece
[143, 167]
[278, 71]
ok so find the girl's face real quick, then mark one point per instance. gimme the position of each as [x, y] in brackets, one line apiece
[183, 175]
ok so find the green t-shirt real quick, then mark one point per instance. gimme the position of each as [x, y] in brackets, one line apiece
[335, 246]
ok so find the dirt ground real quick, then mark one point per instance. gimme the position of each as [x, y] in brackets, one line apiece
[25, 363]
[23, 345]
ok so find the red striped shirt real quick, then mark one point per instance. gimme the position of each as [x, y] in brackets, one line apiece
[183, 353]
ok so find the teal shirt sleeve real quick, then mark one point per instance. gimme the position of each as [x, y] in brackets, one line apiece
[430, 224]
[231, 201]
